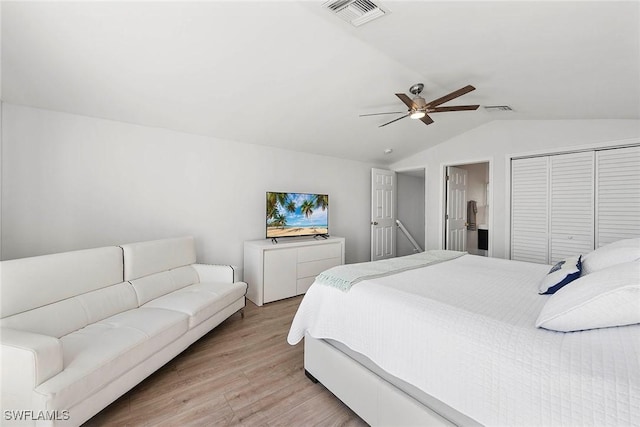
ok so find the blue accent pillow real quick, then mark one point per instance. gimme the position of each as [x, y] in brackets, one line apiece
[561, 274]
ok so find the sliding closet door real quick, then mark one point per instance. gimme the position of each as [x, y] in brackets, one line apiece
[530, 209]
[571, 210]
[570, 204]
[617, 194]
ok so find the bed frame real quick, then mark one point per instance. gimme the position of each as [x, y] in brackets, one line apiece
[374, 399]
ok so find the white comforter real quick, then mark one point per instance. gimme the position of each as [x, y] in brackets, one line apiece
[463, 331]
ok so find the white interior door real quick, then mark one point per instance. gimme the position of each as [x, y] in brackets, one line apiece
[530, 209]
[456, 215]
[571, 209]
[383, 214]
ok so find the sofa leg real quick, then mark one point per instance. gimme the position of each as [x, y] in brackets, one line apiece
[242, 313]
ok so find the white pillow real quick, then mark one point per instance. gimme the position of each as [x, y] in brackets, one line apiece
[611, 254]
[626, 243]
[609, 297]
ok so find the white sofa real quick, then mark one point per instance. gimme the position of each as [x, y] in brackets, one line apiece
[79, 329]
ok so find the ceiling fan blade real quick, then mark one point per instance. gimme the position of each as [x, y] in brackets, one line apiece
[454, 108]
[394, 120]
[379, 114]
[407, 101]
[451, 96]
[426, 120]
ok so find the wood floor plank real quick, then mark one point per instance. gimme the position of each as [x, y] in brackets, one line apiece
[307, 413]
[209, 411]
[283, 400]
[242, 373]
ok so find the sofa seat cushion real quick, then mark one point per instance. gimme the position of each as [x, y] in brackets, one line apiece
[201, 300]
[103, 351]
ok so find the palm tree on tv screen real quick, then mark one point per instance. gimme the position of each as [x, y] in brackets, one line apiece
[274, 216]
[272, 205]
[321, 201]
[279, 221]
[307, 208]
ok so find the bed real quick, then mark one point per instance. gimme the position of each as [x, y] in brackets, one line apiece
[456, 343]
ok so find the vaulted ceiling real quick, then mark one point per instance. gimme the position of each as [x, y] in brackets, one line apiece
[291, 74]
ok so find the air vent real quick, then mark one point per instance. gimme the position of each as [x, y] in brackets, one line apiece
[355, 12]
[498, 108]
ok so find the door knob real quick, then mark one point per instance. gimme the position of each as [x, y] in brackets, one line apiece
[374, 223]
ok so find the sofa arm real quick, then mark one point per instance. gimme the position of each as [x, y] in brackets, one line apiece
[26, 361]
[215, 273]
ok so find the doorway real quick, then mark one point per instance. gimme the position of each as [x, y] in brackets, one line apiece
[411, 211]
[397, 196]
[466, 207]
[383, 214]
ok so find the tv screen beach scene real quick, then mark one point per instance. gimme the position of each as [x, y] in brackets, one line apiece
[297, 214]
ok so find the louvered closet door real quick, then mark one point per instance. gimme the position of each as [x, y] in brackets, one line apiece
[571, 209]
[617, 194]
[529, 210]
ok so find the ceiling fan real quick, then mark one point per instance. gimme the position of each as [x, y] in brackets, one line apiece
[418, 107]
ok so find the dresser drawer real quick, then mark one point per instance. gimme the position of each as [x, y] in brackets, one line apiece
[304, 284]
[317, 252]
[313, 268]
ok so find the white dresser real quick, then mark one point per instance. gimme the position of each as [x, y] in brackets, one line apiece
[285, 269]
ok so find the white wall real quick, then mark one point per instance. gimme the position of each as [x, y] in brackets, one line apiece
[72, 182]
[410, 211]
[497, 141]
[1, 173]
[1, 106]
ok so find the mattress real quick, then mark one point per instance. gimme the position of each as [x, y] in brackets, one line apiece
[463, 331]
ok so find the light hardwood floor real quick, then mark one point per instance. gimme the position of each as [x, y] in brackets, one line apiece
[243, 372]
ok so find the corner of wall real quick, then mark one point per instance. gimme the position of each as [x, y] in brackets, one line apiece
[1, 145]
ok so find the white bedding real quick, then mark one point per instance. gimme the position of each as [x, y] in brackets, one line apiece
[464, 332]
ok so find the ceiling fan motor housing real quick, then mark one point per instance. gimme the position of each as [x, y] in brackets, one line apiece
[419, 103]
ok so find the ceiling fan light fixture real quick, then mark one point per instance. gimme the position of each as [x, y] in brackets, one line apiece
[417, 115]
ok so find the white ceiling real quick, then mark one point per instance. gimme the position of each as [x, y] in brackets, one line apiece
[292, 75]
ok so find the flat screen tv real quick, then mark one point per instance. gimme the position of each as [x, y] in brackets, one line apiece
[297, 214]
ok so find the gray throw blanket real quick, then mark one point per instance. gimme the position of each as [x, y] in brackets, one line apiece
[472, 210]
[345, 276]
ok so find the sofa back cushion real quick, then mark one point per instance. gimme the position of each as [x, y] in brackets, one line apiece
[63, 317]
[155, 285]
[29, 283]
[147, 258]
